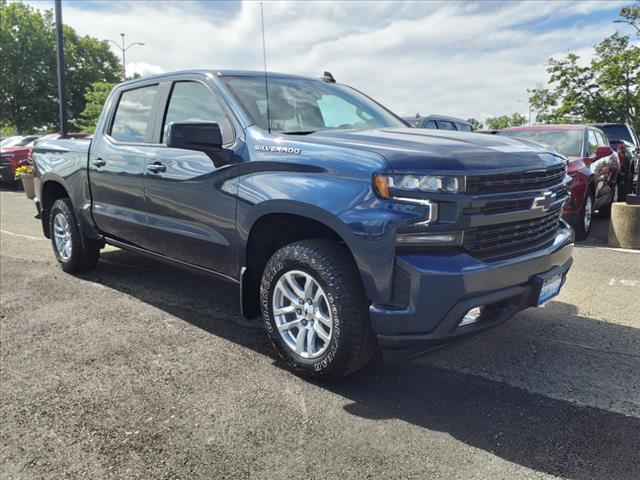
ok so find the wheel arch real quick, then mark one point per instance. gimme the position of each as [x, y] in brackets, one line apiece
[271, 230]
[51, 191]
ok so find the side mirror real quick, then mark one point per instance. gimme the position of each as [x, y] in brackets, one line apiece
[603, 151]
[201, 137]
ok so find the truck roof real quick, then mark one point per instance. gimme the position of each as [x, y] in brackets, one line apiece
[219, 73]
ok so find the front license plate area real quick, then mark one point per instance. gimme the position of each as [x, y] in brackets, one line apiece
[550, 288]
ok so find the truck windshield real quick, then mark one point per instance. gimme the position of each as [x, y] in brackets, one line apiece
[567, 142]
[301, 106]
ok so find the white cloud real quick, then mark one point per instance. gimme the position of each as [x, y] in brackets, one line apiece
[143, 69]
[462, 59]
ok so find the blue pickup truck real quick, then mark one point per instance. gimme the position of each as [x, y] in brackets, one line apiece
[346, 232]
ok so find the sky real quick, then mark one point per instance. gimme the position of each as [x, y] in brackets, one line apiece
[465, 59]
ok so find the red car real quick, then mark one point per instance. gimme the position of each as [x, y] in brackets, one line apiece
[13, 151]
[17, 149]
[592, 164]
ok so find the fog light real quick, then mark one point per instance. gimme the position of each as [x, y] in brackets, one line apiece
[420, 239]
[471, 316]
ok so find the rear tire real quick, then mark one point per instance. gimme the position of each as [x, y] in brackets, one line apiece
[74, 251]
[317, 286]
[584, 219]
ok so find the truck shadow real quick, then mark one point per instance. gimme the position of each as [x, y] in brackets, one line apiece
[530, 429]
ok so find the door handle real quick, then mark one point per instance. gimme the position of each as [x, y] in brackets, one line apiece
[156, 167]
[98, 162]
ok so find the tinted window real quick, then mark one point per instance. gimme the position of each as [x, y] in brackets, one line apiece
[617, 132]
[298, 105]
[567, 142]
[593, 142]
[464, 127]
[431, 124]
[192, 102]
[445, 125]
[133, 114]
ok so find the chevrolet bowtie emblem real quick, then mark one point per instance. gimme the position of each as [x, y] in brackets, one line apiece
[544, 202]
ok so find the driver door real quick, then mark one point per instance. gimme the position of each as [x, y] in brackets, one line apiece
[191, 203]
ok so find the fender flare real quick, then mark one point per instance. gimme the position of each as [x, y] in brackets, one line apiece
[293, 207]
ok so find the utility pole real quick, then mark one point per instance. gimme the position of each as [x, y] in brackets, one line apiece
[123, 48]
[62, 87]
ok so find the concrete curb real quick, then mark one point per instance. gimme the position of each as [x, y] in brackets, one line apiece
[624, 230]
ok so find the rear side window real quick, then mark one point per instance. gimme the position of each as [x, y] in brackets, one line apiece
[192, 102]
[133, 114]
[464, 127]
[445, 125]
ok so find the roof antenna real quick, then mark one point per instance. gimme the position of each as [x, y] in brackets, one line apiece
[264, 58]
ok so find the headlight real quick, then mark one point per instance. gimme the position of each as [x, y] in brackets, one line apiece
[387, 184]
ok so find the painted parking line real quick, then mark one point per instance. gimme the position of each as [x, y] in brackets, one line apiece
[626, 283]
[28, 237]
[611, 249]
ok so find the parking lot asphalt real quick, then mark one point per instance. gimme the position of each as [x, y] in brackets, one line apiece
[137, 370]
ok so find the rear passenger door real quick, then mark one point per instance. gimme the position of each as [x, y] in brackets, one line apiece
[117, 162]
[191, 203]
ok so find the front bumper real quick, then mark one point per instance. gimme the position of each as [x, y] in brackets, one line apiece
[443, 287]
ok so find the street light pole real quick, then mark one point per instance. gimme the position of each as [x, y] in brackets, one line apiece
[62, 88]
[124, 63]
[124, 49]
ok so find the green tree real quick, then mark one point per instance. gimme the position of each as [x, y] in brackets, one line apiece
[28, 90]
[95, 98]
[504, 121]
[631, 16]
[475, 124]
[27, 69]
[542, 101]
[607, 89]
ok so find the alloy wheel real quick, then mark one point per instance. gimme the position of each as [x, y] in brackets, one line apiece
[302, 314]
[62, 236]
[588, 212]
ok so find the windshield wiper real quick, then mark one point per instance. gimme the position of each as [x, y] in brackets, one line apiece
[299, 132]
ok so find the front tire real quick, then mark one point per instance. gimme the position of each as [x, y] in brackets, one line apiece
[315, 310]
[585, 216]
[74, 251]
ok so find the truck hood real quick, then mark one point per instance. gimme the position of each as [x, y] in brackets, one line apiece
[414, 149]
